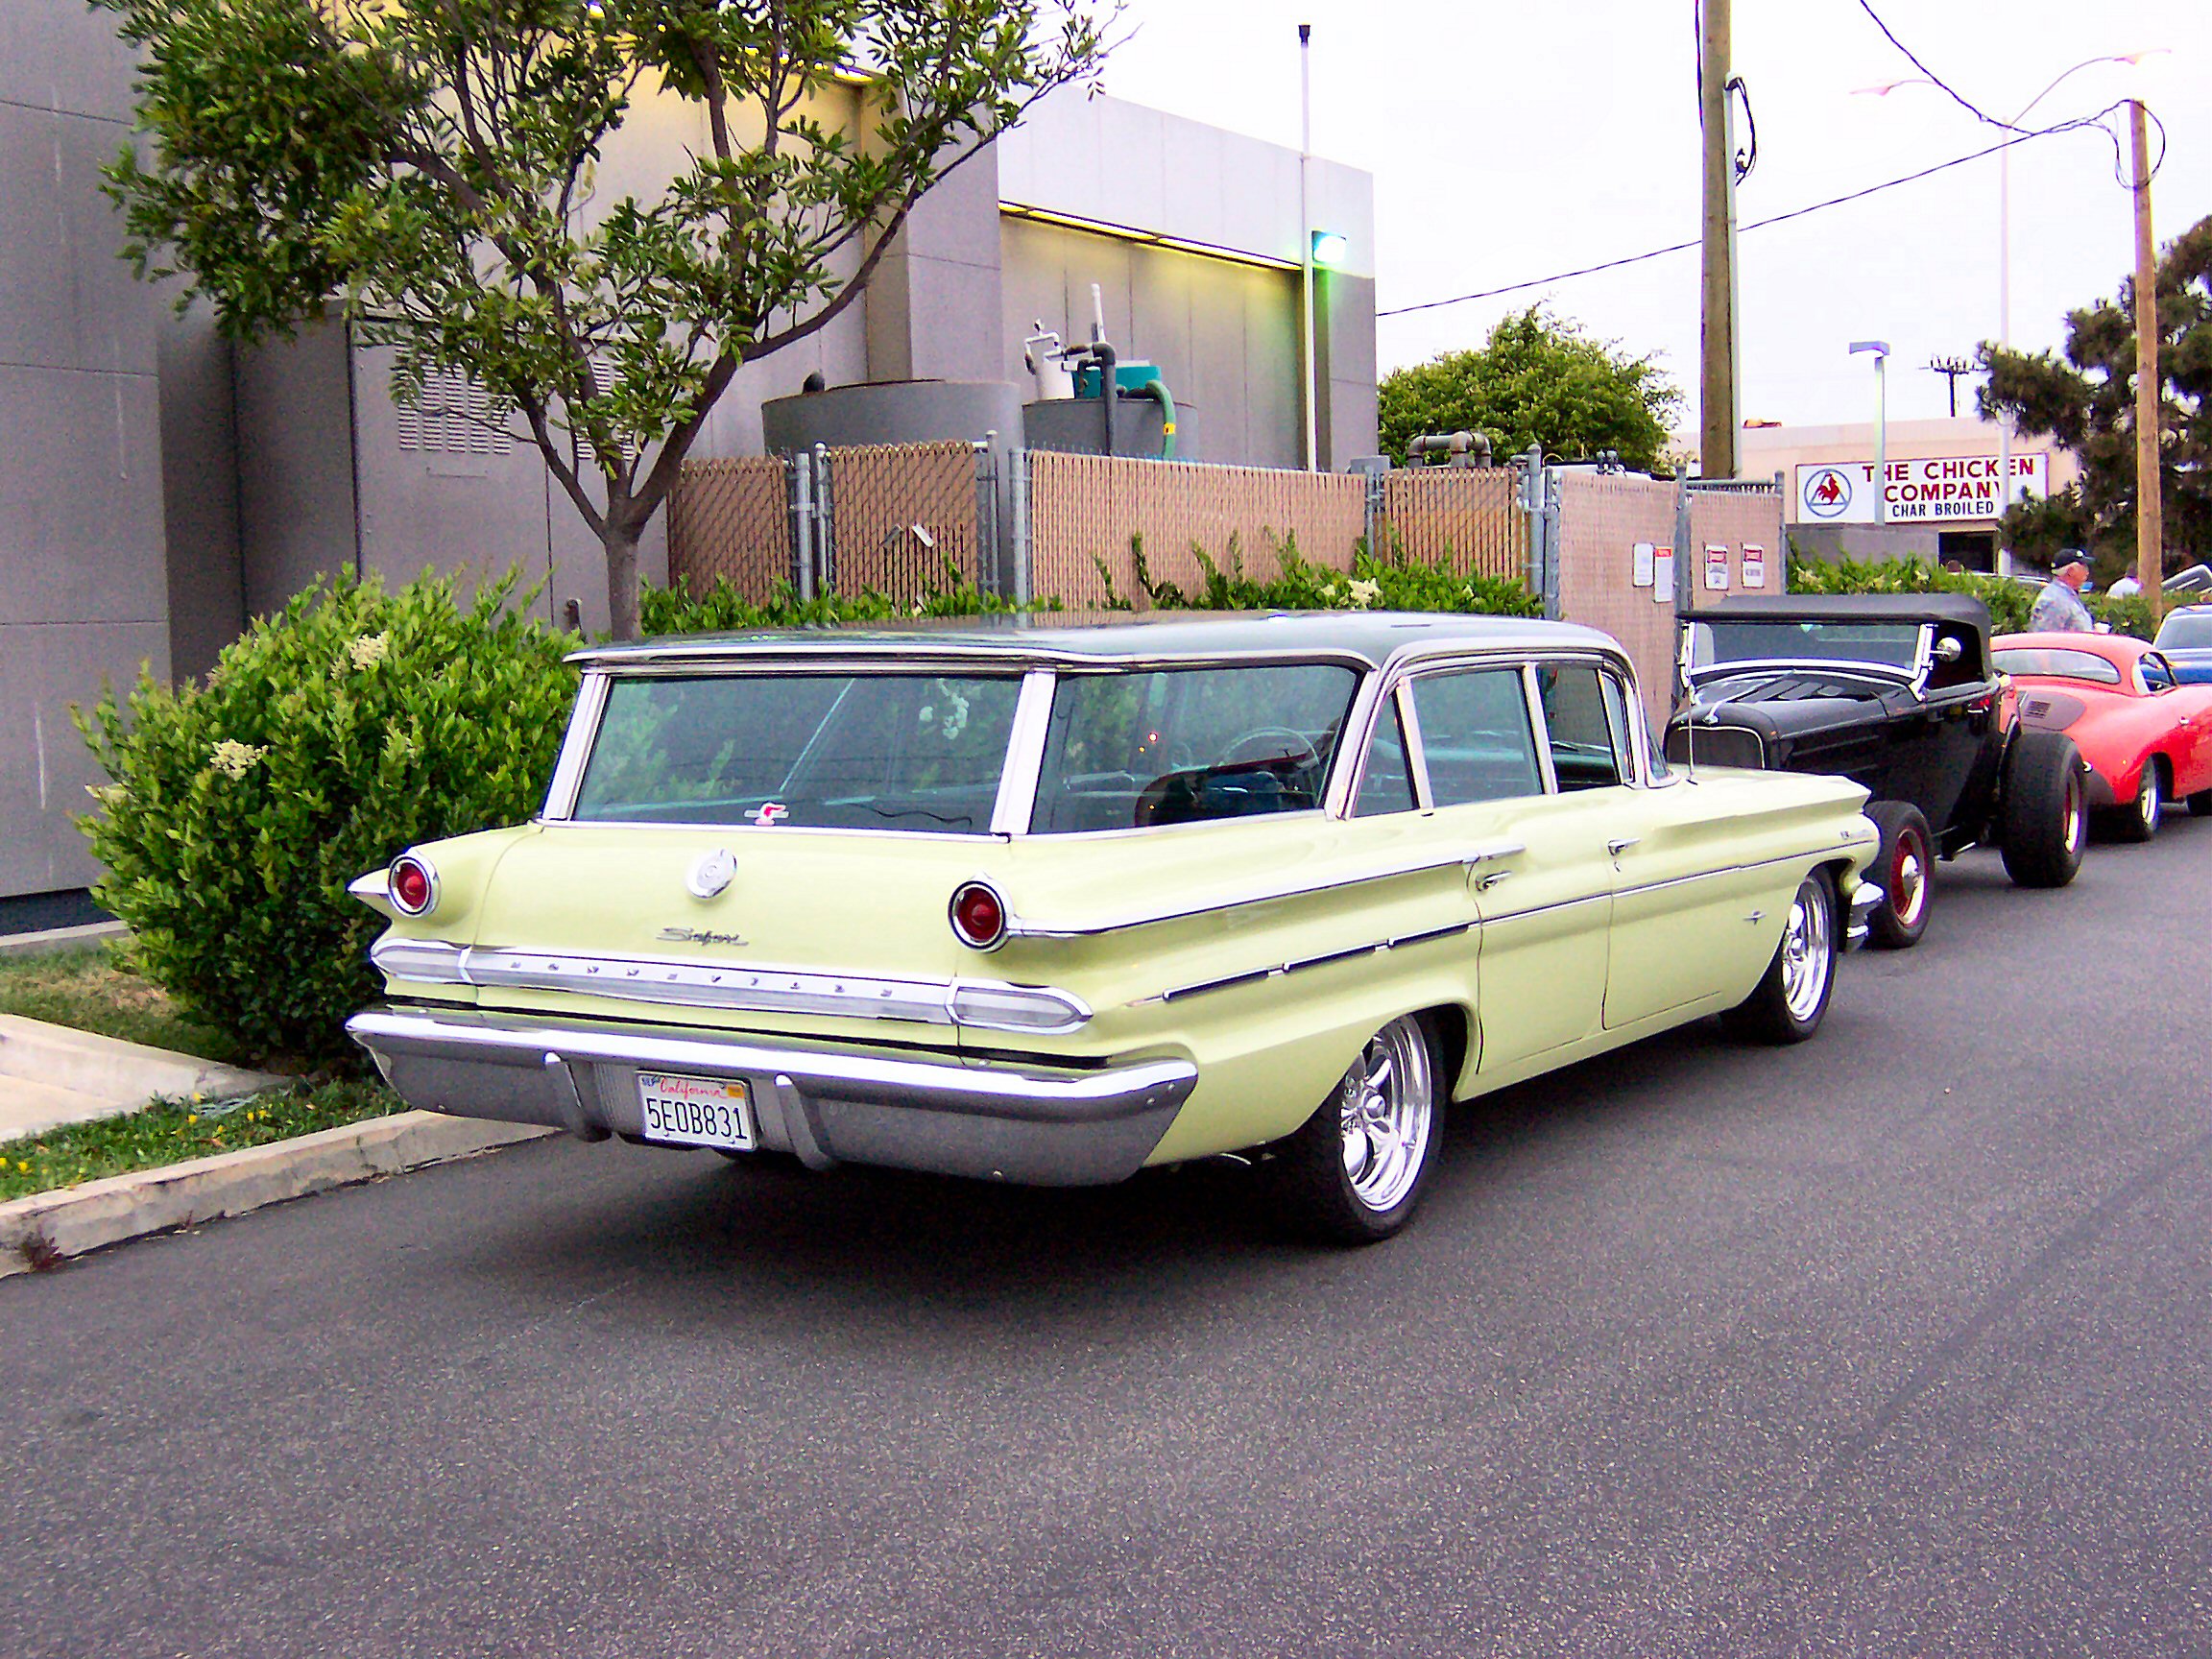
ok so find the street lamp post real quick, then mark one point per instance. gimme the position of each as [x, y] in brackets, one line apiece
[1881, 350]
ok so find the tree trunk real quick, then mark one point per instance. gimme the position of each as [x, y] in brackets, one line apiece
[621, 540]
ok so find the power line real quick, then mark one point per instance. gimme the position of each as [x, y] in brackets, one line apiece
[1934, 79]
[1754, 224]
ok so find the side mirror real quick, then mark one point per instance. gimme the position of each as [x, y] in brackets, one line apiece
[1948, 650]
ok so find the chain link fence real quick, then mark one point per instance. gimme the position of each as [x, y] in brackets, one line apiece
[1468, 518]
[903, 517]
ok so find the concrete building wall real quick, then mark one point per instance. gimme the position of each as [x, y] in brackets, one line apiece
[1224, 334]
[1209, 223]
[84, 588]
[200, 492]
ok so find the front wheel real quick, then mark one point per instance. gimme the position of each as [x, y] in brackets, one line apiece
[1906, 867]
[2139, 822]
[1790, 1000]
[1354, 1170]
[2044, 816]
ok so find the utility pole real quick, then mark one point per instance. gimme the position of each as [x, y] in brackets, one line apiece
[1717, 381]
[2150, 504]
[1951, 368]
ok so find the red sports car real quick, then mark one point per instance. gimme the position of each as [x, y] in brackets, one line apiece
[2147, 739]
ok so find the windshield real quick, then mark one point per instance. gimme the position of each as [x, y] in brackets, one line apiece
[2188, 629]
[843, 750]
[2056, 661]
[1894, 645]
[1171, 746]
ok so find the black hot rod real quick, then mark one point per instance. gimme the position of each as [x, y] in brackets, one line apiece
[1896, 692]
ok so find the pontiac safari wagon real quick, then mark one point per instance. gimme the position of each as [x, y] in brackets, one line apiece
[1048, 903]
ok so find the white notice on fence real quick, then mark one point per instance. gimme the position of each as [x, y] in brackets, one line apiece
[1662, 575]
[1642, 564]
[1754, 566]
[1715, 567]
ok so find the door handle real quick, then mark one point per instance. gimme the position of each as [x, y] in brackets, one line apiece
[1492, 879]
[1620, 843]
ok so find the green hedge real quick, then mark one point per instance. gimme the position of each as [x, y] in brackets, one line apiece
[323, 742]
[358, 722]
[2009, 601]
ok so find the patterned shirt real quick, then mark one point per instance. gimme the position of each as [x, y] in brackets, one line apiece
[2058, 610]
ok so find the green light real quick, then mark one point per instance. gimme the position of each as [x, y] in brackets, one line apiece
[1331, 249]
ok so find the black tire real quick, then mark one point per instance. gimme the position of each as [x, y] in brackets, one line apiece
[2200, 804]
[1791, 999]
[2139, 819]
[2045, 821]
[1905, 870]
[1325, 1189]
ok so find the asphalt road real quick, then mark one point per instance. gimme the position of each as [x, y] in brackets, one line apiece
[1895, 1343]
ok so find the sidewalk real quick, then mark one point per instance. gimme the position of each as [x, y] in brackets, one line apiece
[52, 1075]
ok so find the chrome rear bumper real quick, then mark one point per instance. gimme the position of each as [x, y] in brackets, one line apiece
[1036, 1124]
[1865, 899]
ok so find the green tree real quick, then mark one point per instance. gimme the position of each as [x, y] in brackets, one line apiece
[1537, 379]
[428, 168]
[2085, 400]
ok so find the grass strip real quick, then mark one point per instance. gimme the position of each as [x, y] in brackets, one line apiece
[86, 990]
[172, 1131]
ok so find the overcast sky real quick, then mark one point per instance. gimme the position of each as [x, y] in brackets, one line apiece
[1513, 141]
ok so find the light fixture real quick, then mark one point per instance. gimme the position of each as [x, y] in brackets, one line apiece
[1331, 249]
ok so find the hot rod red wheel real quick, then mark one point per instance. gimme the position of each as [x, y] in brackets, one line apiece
[1905, 869]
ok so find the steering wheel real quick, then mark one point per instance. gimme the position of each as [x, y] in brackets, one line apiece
[1300, 749]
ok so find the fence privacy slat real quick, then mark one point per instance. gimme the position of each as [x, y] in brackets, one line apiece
[900, 514]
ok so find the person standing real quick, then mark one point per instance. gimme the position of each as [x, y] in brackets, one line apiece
[2059, 608]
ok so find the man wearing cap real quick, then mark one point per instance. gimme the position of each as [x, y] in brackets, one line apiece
[2059, 608]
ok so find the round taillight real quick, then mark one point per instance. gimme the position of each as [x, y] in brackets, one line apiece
[413, 885]
[978, 916]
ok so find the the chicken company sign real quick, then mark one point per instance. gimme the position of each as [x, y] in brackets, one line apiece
[1919, 492]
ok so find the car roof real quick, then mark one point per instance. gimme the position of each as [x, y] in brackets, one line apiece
[1960, 610]
[1370, 637]
[2120, 648]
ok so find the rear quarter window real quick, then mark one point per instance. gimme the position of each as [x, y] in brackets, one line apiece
[2059, 662]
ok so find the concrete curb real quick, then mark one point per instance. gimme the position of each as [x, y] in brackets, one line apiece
[49, 939]
[46, 1228]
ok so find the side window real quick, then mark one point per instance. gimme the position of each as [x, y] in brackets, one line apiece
[1583, 716]
[1476, 736]
[2156, 676]
[1386, 781]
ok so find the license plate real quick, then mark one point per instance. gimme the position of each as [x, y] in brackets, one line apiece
[696, 1111]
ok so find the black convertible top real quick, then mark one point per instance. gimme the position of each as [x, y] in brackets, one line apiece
[1957, 609]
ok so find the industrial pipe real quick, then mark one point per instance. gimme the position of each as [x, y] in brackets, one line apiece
[1459, 448]
[1156, 389]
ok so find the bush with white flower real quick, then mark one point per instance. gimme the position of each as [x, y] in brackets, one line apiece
[330, 737]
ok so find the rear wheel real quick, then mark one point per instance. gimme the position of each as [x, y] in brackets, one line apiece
[1354, 1172]
[1793, 997]
[1906, 867]
[2045, 818]
[2139, 822]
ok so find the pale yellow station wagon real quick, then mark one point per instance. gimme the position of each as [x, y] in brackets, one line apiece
[1048, 903]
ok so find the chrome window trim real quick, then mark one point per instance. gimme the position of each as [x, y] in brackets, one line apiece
[1450, 930]
[1028, 927]
[1540, 723]
[1342, 791]
[1416, 752]
[1024, 753]
[688, 983]
[576, 744]
[1436, 664]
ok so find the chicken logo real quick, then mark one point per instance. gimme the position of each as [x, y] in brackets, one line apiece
[1828, 492]
[771, 814]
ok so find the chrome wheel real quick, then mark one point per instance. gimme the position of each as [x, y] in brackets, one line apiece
[1383, 1108]
[2076, 820]
[1806, 952]
[2149, 801]
[1909, 880]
